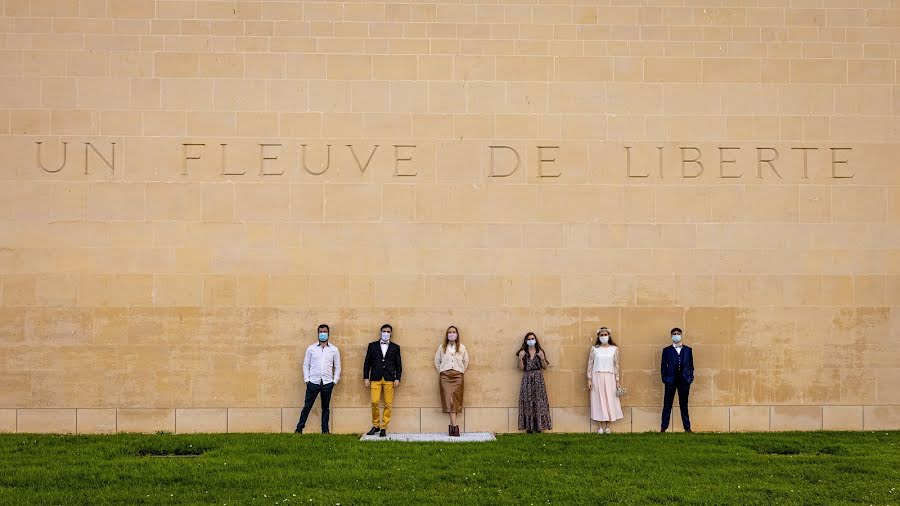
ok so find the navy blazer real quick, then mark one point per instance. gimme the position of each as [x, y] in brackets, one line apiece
[388, 367]
[669, 364]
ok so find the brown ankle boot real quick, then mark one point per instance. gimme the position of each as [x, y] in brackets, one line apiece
[456, 430]
[449, 430]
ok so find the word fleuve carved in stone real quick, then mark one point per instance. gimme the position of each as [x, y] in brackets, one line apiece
[271, 152]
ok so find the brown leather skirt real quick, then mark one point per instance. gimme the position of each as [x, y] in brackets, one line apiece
[452, 391]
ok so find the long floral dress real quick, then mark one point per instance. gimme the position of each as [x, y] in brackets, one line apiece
[534, 409]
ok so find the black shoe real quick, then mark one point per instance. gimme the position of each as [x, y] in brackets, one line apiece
[326, 432]
[298, 431]
[662, 431]
[372, 431]
[383, 433]
[688, 430]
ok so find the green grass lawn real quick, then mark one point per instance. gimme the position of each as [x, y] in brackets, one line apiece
[785, 468]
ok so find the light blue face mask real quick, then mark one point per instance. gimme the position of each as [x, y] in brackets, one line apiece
[676, 338]
[530, 342]
[323, 336]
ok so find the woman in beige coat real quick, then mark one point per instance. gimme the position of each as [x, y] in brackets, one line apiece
[451, 361]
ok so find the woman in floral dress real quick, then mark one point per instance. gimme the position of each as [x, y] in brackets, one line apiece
[534, 409]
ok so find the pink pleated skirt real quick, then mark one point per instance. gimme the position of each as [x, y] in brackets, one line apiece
[605, 406]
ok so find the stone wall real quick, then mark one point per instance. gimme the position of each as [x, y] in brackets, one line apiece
[188, 188]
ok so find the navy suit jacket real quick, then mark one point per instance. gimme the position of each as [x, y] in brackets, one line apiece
[669, 364]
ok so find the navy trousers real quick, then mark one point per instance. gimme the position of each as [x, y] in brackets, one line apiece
[684, 389]
[312, 391]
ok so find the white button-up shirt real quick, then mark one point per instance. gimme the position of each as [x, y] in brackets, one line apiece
[322, 364]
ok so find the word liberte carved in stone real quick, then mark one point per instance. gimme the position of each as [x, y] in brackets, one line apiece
[693, 167]
[690, 158]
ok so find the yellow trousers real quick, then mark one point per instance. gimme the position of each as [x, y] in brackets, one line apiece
[377, 388]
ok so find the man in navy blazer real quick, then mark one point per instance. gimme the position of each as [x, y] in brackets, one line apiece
[677, 370]
[382, 369]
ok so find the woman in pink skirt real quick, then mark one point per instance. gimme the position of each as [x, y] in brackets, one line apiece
[603, 380]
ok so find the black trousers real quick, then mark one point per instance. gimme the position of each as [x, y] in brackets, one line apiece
[312, 391]
[684, 389]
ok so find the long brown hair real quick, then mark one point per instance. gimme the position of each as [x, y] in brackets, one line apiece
[611, 342]
[447, 341]
[537, 351]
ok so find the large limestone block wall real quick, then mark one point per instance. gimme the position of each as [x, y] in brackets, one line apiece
[187, 188]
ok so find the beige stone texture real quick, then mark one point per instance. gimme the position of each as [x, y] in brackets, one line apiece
[254, 420]
[146, 420]
[842, 417]
[486, 420]
[7, 420]
[199, 420]
[574, 419]
[647, 419]
[749, 418]
[797, 418]
[189, 187]
[703, 419]
[881, 417]
[96, 421]
[45, 420]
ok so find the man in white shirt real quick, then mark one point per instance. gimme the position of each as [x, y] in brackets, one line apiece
[321, 372]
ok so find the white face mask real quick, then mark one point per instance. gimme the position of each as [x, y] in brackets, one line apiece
[451, 337]
[676, 338]
[604, 339]
[385, 336]
[530, 342]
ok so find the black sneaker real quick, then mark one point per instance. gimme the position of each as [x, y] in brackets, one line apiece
[372, 431]
[383, 433]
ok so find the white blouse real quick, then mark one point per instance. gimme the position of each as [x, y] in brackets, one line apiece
[451, 359]
[603, 359]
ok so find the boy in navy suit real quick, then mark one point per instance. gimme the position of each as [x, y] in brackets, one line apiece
[677, 370]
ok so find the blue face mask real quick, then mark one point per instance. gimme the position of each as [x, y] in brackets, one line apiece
[530, 342]
[676, 338]
[323, 336]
